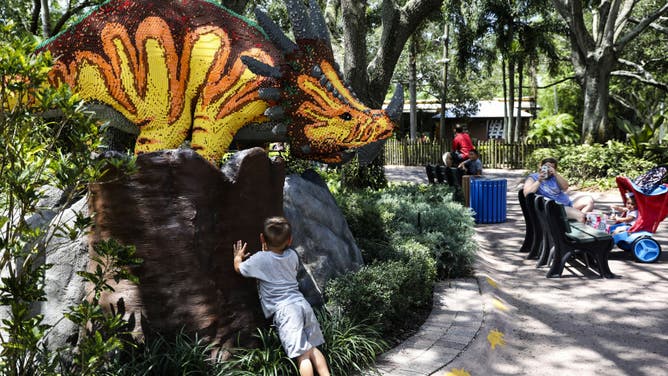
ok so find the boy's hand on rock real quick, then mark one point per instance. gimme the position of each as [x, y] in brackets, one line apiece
[240, 249]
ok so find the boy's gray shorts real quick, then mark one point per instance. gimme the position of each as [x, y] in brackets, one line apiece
[298, 328]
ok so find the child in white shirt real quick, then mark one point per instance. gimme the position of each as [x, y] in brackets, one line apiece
[276, 269]
[627, 217]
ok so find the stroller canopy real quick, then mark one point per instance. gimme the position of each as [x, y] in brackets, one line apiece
[652, 206]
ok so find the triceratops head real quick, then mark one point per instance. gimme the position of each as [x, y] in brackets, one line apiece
[325, 121]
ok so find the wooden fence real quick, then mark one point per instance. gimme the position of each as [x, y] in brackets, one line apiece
[493, 153]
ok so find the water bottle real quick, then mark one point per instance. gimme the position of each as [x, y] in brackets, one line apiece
[603, 222]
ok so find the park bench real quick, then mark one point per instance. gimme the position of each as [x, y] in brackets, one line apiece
[529, 233]
[535, 237]
[436, 174]
[442, 174]
[546, 247]
[554, 240]
[573, 239]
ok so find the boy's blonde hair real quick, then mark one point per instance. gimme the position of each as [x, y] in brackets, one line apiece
[276, 231]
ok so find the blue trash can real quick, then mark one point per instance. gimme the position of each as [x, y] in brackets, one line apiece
[487, 198]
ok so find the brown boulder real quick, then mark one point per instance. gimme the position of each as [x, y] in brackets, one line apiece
[182, 215]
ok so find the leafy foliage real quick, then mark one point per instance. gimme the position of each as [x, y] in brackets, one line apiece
[649, 140]
[349, 346]
[178, 355]
[102, 331]
[269, 359]
[555, 129]
[31, 158]
[382, 221]
[566, 97]
[386, 294]
[40, 149]
[593, 165]
[408, 235]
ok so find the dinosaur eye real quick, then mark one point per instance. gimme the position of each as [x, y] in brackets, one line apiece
[346, 116]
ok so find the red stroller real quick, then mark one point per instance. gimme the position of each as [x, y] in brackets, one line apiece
[652, 209]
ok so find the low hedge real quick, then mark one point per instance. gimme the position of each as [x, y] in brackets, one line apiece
[409, 236]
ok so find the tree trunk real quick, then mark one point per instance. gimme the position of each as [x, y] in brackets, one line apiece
[511, 99]
[370, 82]
[444, 92]
[412, 78]
[34, 17]
[506, 132]
[534, 89]
[518, 119]
[46, 31]
[355, 55]
[596, 100]
[594, 53]
[399, 23]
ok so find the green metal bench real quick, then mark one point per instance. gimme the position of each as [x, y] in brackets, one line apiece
[574, 238]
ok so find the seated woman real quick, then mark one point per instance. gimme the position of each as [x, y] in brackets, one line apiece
[550, 184]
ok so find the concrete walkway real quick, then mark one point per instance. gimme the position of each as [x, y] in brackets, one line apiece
[511, 320]
[455, 319]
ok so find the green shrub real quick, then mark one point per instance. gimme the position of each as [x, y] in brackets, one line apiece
[593, 166]
[349, 345]
[267, 359]
[387, 294]
[445, 227]
[381, 220]
[39, 151]
[364, 220]
[180, 355]
[533, 160]
[554, 129]
[422, 267]
[647, 140]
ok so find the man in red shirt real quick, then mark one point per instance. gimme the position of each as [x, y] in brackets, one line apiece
[461, 145]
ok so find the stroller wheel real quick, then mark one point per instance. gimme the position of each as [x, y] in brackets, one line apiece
[646, 249]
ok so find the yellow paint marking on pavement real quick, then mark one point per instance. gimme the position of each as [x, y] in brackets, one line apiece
[499, 305]
[457, 372]
[492, 282]
[495, 338]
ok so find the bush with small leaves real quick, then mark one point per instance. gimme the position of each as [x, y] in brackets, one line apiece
[386, 294]
[380, 220]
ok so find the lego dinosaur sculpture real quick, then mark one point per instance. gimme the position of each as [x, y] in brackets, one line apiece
[191, 69]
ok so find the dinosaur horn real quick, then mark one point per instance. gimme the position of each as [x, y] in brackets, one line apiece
[261, 68]
[275, 33]
[302, 27]
[396, 106]
[368, 153]
[319, 24]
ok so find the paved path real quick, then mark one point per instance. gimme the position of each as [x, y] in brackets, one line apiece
[520, 323]
[451, 326]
